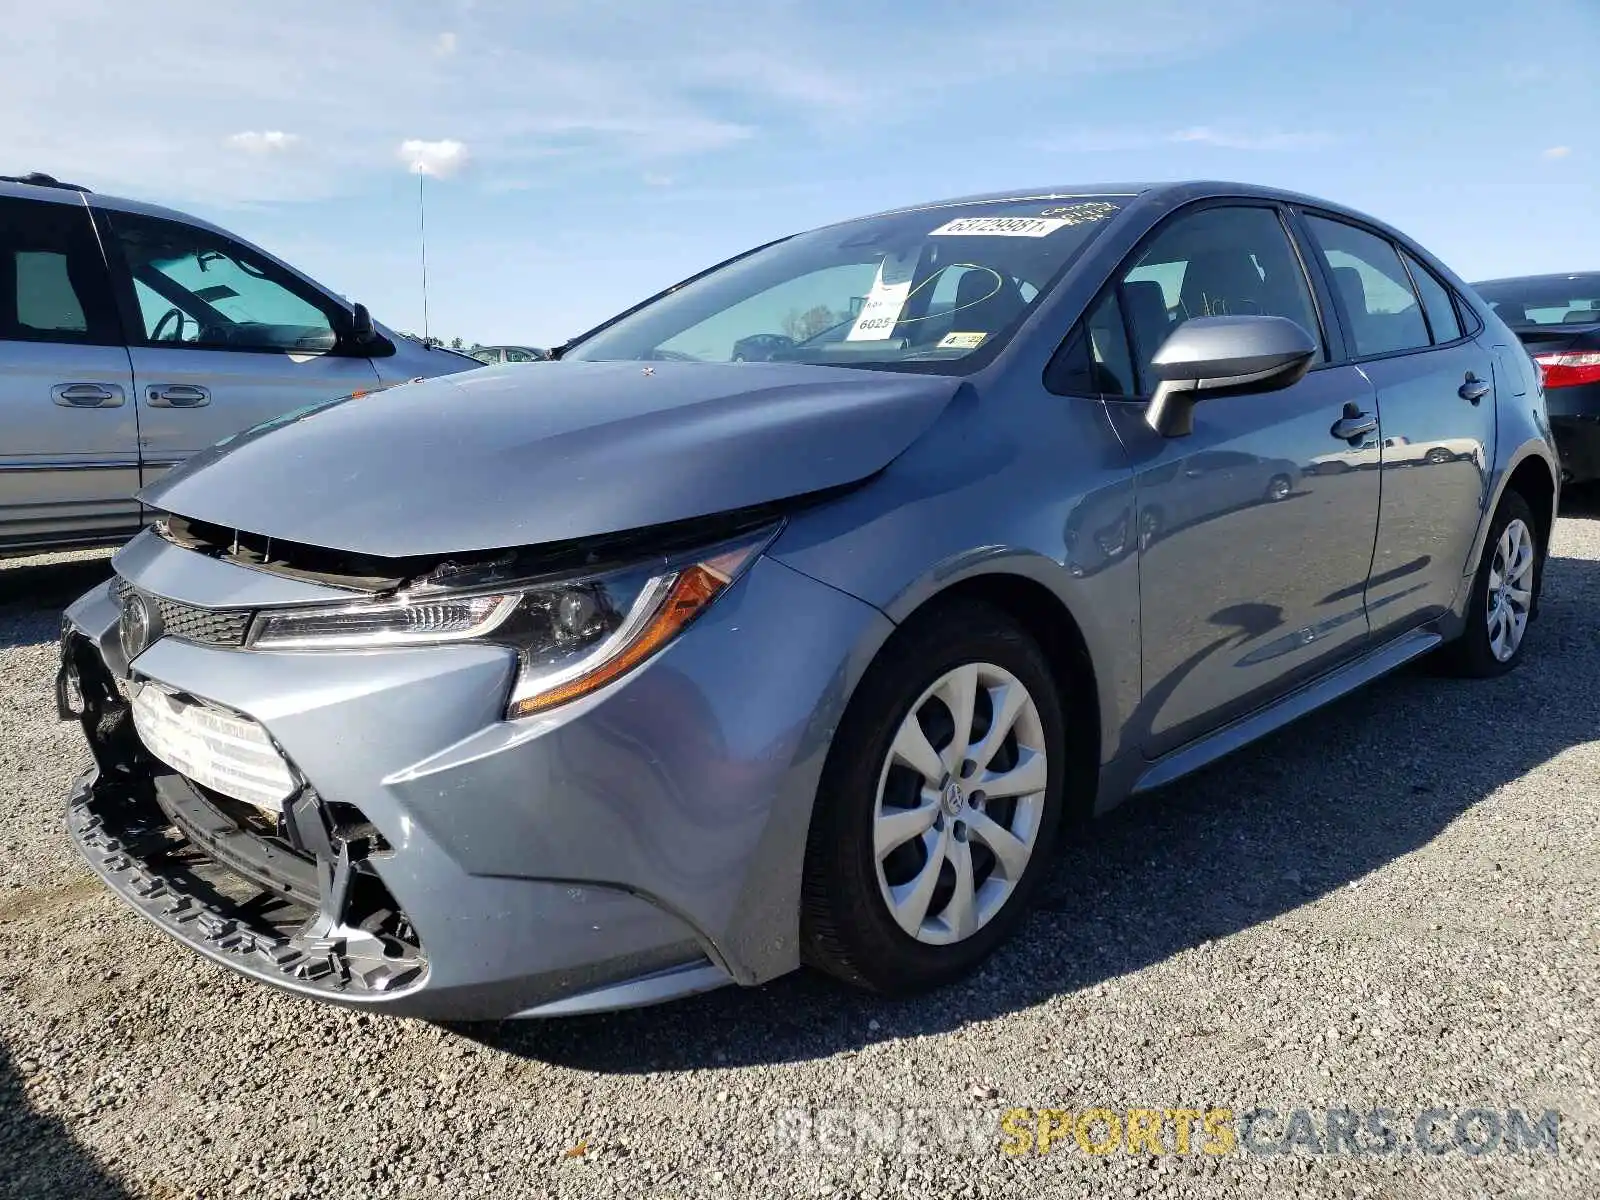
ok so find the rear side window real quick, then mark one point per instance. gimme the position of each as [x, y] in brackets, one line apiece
[1436, 302]
[53, 282]
[1381, 310]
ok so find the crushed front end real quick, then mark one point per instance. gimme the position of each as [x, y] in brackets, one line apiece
[290, 893]
[446, 828]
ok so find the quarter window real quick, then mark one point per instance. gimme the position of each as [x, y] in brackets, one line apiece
[198, 289]
[1436, 302]
[1373, 288]
[1223, 261]
[53, 282]
[1095, 360]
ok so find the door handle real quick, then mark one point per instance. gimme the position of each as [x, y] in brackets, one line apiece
[177, 395]
[1474, 389]
[1354, 425]
[87, 395]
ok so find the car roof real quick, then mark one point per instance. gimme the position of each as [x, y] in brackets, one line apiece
[1555, 277]
[1163, 194]
[66, 193]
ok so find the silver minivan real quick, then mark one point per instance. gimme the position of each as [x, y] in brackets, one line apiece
[132, 336]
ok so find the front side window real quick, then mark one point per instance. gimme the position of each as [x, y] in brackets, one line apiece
[53, 283]
[1223, 261]
[1383, 313]
[197, 289]
[939, 289]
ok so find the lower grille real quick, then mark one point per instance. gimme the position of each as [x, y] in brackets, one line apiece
[190, 623]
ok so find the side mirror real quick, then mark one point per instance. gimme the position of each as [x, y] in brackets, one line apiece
[361, 331]
[1224, 356]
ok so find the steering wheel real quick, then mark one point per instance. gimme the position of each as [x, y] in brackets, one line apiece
[172, 314]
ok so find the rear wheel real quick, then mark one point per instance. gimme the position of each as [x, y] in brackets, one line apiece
[940, 804]
[1502, 594]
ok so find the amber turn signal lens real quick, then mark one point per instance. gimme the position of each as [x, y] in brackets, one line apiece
[690, 593]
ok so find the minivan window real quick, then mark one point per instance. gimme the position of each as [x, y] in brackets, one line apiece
[53, 282]
[937, 289]
[1383, 312]
[198, 289]
[1222, 261]
[1436, 301]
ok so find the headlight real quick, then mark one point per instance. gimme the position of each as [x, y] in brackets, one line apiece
[573, 634]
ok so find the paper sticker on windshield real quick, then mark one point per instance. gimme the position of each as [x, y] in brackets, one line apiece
[1060, 217]
[1001, 226]
[1080, 214]
[961, 341]
[881, 310]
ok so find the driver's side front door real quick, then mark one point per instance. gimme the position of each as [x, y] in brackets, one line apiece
[1252, 565]
[221, 338]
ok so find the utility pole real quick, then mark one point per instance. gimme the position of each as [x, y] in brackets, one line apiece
[422, 238]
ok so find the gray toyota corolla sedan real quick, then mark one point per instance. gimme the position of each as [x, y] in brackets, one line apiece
[792, 615]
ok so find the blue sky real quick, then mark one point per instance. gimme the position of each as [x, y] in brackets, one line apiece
[609, 149]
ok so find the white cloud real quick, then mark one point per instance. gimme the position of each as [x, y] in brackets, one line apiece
[1558, 152]
[271, 142]
[657, 179]
[551, 90]
[440, 159]
[1099, 141]
[1234, 140]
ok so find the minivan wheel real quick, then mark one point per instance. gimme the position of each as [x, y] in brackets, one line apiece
[940, 804]
[1502, 594]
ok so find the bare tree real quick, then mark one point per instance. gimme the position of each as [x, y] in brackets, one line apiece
[802, 325]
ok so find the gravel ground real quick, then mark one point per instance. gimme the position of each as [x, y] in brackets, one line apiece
[1392, 905]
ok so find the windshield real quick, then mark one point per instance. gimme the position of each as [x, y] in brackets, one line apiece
[1549, 300]
[937, 289]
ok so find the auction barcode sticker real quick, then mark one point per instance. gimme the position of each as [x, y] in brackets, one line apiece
[1002, 226]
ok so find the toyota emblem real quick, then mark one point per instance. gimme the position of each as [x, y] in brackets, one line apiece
[134, 630]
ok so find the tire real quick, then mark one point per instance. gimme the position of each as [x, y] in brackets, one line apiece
[1474, 654]
[1279, 488]
[847, 928]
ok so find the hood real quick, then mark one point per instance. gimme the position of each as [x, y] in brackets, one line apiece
[508, 456]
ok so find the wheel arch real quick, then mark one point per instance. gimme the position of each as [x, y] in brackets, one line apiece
[1050, 621]
[1535, 478]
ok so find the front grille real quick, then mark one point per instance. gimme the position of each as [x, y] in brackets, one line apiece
[190, 623]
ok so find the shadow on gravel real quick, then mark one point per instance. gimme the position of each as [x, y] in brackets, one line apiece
[41, 1161]
[1312, 809]
[1581, 501]
[32, 597]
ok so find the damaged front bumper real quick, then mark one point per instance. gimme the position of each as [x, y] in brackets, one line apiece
[301, 902]
[428, 857]
[160, 867]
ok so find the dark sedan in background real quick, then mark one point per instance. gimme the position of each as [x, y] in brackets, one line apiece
[1558, 319]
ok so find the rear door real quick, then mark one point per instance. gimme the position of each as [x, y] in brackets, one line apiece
[221, 337]
[69, 455]
[1436, 401]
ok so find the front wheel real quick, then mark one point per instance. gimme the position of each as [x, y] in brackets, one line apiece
[1502, 594]
[939, 807]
